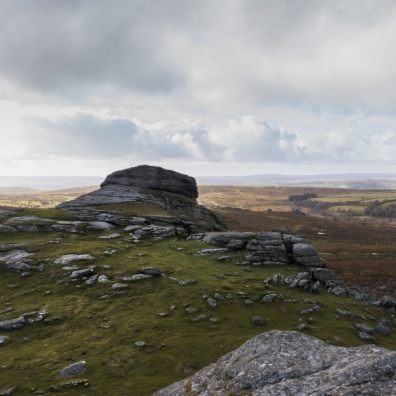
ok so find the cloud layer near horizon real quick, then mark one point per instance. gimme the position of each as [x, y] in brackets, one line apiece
[206, 83]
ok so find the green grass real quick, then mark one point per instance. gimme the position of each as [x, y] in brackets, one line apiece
[103, 331]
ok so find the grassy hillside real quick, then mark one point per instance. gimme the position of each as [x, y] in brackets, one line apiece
[101, 325]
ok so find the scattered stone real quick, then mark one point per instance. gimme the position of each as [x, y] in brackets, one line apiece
[323, 275]
[12, 324]
[258, 321]
[99, 225]
[92, 280]
[191, 310]
[206, 252]
[365, 336]
[4, 340]
[163, 314]
[224, 258]
[212, 303]
[140, 344]
[218, 297]
[69, 258]
[82, 273]
[271, 297]
[76, 368]
[248, 302]
[119, 286]
[103, 279]
[110, 236]
[8, 391]
[364, 328]
[199, 318]
[338, 291]
[70, 384]
[187, 282]
[313, 309]
[151, 271]
[302, 326]
[136, 277]
[382, 329]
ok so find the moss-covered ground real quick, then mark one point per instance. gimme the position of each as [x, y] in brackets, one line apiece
[101, 327]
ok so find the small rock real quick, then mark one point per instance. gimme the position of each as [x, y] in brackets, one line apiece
[8, 391]
[163, 314]
[140, 344]
[82, 273]
[103, 279]
[119, 286]
[191, 310]
[151, 271]
[364, 328]
[68, 385]
[258, 321]
[136, 277]
[4, 340]
[199, 318]
[382, 329]
[212, 303]
[111, 236]
[74, 369]
[69, 258]
[271, 297]
[206, 252]
[92, 280]
[301, 326]
[365, 337]
[224, 258]
[315, 308]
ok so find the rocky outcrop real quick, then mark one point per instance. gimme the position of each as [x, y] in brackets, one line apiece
[172, 191]
[290, 363]
[266, 248]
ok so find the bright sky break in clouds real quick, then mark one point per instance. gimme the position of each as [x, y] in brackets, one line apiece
[208, 87]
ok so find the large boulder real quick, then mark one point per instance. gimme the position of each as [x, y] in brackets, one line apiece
[290, 363]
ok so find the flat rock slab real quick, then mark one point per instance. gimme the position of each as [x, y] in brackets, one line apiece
[76, 368]
[290, 363]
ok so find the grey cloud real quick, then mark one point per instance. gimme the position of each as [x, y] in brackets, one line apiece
[209, 55]
[89, 136]
[87, 47]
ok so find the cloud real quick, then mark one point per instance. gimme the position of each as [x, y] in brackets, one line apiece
[242, 140]
[228, 55]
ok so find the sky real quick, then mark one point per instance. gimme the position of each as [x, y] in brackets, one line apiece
[225, 87]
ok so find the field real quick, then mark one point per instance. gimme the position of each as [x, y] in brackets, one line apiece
[342, 204]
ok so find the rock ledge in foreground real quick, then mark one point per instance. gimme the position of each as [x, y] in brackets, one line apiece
[291, 363]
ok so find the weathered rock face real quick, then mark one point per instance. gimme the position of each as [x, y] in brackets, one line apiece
[154, 178]
[267, 248]
[151, 185]
[143, 184]
[290, 363]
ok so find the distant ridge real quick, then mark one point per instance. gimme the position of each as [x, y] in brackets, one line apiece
[376, 181]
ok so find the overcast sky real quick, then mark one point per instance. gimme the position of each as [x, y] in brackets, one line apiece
[204, 87]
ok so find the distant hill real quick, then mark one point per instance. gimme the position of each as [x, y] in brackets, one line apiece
[375, 181]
